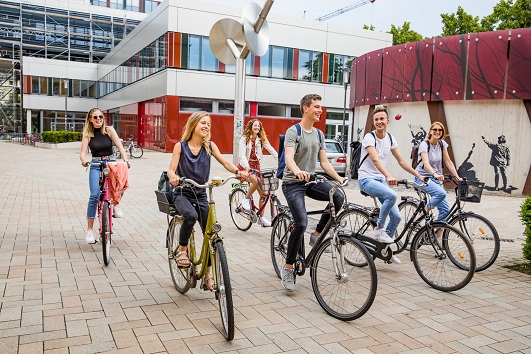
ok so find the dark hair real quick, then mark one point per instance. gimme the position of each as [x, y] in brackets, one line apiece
[306, 101]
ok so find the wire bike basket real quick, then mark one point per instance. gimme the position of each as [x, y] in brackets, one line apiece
[268, 180]
[470, 191]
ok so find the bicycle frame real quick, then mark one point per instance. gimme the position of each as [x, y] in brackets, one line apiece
[104, 196]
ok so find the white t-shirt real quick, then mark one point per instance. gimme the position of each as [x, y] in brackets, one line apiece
[383, 148]
[435, 156]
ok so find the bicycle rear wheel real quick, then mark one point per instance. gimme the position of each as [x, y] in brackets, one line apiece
[180, 276]
[279, 241]
[105, 232]
[240, 217]
[482, 234]
[136, 151]
[345, 291]
[224, 290]
[447, 264]
[407, 208]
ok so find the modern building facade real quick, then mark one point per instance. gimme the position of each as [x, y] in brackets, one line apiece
[163, 69]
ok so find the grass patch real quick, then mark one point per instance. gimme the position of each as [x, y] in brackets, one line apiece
[520, 267]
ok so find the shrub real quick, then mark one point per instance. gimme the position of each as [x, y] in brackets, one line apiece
[525, 215]
[56, 137]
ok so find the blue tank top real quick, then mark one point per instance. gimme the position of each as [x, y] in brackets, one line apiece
[195, 167]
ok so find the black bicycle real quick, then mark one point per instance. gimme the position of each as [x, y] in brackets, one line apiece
[342, 271]
[480, 231]
[442, 255]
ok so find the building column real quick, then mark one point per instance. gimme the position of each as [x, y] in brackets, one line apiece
[28, 121]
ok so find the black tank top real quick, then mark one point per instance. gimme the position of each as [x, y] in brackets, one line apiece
[195, 167]
[100, 145]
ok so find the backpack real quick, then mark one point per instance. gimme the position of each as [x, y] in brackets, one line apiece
[281, 156]
[374, 136]
[355, 161]
[415, 154]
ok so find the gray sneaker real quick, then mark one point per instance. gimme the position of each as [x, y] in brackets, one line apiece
[288, 278]
[313, 240]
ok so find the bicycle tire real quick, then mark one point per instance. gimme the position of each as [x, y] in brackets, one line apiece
[351, 294]
[352, 222]
[446, 267]
[276, 205]
[136, 151]
[224, 290]
[240, 217]
[282, 226]
[116, 152]
[179, 276]
[407, 208]
[482, 234]
[105, 232]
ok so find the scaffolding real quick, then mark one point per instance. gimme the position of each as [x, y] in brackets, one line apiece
[11, 113]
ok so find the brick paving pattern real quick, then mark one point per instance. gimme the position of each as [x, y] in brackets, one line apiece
[57, 297]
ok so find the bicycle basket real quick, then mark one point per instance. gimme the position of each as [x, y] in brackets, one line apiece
[164, 205]
[268, 180]
[470, 191]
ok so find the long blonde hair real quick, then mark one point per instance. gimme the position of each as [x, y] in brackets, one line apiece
[443, 135]
[189, 128]
[88, 129]
[248, 132]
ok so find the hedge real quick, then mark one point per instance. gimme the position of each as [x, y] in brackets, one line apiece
[56, 137]
[525, 215]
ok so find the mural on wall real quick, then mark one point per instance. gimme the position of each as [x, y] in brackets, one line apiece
[466, 170]
[500, 159]
[419, 136]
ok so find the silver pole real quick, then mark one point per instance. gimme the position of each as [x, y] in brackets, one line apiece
[345, 84]
[239, 107]
[66, 103]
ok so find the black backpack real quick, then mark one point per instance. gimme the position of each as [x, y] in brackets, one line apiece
[374, 136]
[281, 155]
[415, 161]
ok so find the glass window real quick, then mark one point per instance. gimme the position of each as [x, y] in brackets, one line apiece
[150, 5]
[56, 86]
[225, 107]
[305, 65]
[333, 147]
[99, 2]
[76, 88]
[84, 88]
[35, 85]
[195, 105]
[278, 62]
[43, 85]
[265, 60]
[116, 4]
[194, 52]
[132, 5]
[296, 112]
[317, 66]
[272, 110]
[208, 60]
[92, 89]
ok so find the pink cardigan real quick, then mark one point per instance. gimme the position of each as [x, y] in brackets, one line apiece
[118, 180]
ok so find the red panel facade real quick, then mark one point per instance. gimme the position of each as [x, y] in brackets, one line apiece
[487, 61]
[360, 64]
[353, 80]
[519, 73]
[449, 66]
[373, 77]
[417, 71]
[392, 77]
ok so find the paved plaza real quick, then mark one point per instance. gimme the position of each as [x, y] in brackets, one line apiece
[58, 297]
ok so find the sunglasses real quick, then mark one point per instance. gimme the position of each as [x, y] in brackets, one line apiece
[437, 130]
[97, 117]
[380, 106]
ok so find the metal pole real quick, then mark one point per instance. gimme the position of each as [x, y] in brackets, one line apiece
[345, 84]
[66, 103]
[239, 107]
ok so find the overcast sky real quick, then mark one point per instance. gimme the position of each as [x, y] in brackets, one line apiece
[424, 15]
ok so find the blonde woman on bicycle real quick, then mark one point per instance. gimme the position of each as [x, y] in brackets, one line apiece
[252, 141]
[191, 159]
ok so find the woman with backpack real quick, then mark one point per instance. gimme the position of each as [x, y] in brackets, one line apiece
[252, 141]
[432, 157]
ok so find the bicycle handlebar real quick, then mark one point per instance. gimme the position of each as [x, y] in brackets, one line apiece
[411, 184]
[186, 182]
[315, 179]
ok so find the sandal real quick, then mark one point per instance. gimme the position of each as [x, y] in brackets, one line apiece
[208, 283]
[182, 259]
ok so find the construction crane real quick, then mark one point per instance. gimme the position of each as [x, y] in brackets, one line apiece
[343, 10]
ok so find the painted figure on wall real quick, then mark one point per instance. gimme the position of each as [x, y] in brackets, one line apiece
[500, 160]
[419, 136]
[466, 170]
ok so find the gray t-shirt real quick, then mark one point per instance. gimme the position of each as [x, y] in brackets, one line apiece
[383, 148]
[435, 155]
[306, 151]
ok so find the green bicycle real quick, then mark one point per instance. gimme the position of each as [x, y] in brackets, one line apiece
[212, 253]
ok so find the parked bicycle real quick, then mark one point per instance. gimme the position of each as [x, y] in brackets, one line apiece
[212, 253]
[342, 272]
[480, 231]
[134, 150]
[31, 139]
[442, 255]
[243, 219]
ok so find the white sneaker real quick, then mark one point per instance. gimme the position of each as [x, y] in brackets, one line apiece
[382, 236]
[246, 204]
[265, 222]
[89, 237]
[118, 212]
[394, 259]
[288, 278]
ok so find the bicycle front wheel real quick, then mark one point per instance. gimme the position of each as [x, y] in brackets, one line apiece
[282, 227]
[224, 290]
[180, 276]
[482, 234]
[407, 209]
[105, 232]
[240, 217]
[345, 291]
[446, 263]
[136, 151]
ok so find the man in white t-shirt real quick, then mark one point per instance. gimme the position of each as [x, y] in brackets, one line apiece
[374, 178]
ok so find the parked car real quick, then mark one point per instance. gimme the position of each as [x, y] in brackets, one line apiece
[336, 156]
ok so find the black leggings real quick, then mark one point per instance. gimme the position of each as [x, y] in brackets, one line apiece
[192, 207]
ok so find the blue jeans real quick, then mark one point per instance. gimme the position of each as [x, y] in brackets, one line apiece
[295, 193]
[438, 197]
[378, 188]
[94, 186]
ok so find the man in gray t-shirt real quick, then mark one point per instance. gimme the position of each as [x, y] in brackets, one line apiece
[301, 154]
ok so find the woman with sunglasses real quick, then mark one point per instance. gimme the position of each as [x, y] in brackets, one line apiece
[99, 137]
[432, 157]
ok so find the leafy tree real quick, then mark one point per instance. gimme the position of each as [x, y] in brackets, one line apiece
[404, 34]
[367, 27]
[506, 15]
[460, 23]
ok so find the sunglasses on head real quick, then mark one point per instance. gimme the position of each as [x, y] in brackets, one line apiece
[380, 106]
[97, 117]
[437, 130]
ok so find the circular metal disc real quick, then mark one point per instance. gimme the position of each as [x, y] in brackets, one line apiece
[219, 33]
[258, 42]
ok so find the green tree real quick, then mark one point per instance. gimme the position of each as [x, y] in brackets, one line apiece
[460, 23]
[404, 34]
[508, 15]
[367, 27]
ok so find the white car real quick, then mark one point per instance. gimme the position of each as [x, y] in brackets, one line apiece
[336, 156]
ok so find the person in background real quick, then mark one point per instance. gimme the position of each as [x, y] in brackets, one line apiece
[99, 137]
